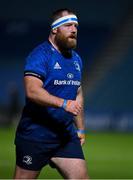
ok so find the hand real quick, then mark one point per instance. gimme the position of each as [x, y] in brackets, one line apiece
[81, 136]
[73, 107]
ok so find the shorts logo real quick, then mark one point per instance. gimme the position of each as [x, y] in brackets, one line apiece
[27, 159]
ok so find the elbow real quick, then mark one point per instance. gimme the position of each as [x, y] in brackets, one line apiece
[31, 93]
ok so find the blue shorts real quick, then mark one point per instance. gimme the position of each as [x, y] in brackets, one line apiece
[35, 155]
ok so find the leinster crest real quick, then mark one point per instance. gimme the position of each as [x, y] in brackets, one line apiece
[77, 65]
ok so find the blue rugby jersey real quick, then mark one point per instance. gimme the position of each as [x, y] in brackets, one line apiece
[61, 77]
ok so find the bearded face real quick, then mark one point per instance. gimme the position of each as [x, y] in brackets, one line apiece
[66, 36]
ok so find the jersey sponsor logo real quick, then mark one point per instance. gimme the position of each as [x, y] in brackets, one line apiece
[70, 75]
[27, 159]
[77, 66]
[57, 66]
[67, 82]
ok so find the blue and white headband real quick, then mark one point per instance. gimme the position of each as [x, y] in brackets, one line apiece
[63, 20]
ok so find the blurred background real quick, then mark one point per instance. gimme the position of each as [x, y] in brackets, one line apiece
[105, 43]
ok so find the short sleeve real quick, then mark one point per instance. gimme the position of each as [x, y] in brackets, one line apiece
[36, 64]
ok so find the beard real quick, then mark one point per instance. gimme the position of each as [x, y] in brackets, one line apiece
[66, 43]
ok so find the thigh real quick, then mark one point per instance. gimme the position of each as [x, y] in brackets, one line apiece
[70, 161]
[21, 173]
[71, 168]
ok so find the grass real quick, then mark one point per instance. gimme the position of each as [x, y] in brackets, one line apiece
[108, 155]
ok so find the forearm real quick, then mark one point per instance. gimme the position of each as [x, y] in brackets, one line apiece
[79, 119]
[42, 97]
[79, 122]
[35, 92]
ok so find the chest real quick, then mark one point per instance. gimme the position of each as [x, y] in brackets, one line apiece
[64, 69]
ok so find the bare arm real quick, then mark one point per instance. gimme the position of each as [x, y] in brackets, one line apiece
[36, 93]
[79, 119]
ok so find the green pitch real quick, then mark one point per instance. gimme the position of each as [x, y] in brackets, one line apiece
[108, 156]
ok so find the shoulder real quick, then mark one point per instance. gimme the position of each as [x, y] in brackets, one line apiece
[77, 57]
[40, 55]
[37, 60]
[42, 50]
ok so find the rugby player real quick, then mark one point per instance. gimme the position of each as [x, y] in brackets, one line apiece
[51, 129]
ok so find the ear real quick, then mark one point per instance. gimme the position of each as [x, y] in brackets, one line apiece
[54, 31]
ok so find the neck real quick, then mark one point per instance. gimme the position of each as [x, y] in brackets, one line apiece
[64, 52]
[51, 40]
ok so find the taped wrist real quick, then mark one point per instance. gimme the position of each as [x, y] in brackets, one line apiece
[81, 133]
[64, 104]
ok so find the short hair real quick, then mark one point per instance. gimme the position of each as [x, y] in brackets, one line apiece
[58, 13]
